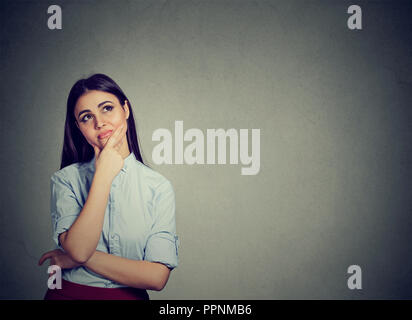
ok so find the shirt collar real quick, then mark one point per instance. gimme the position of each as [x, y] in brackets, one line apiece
[126, 164]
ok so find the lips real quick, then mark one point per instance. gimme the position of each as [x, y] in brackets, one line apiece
[104, 134]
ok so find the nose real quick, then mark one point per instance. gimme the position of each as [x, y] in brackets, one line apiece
[99, 122]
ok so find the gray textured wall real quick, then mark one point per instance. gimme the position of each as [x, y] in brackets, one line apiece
[333, 107]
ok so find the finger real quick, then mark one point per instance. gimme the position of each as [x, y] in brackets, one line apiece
[123, 138]
[45, 256]
[53, 261]
[119, 144]
[96, 151]
[115, 137]
[117, 148]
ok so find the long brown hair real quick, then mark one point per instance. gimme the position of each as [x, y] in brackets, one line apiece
[75, 146]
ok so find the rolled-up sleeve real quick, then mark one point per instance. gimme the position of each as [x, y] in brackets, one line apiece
[63, 204]
[163, 243]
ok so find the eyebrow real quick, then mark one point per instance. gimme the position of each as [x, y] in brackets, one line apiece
[88, 110]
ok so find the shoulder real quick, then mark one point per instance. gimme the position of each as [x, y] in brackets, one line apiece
[71, 173]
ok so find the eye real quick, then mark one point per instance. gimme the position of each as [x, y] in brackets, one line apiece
[107, 108]
[84, 119]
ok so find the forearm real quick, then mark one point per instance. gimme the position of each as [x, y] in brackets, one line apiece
[83, 236]
[133, 273]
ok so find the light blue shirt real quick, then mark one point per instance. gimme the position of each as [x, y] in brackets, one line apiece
[139, 221]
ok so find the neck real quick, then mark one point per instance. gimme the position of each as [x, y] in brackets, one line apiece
[124, 149]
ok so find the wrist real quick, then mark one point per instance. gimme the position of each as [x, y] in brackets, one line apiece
[103, 177]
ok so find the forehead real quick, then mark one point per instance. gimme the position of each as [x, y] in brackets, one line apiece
[91, 99]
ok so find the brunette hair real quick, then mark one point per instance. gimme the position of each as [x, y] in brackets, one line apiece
[75, 146]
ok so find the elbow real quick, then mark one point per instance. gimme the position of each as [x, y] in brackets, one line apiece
[158, 286]
[161, 278]
[81, 259]
[78, 257]
[161, 284]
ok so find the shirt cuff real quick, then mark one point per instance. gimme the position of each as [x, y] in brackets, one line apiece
[163, 248]
[62, 225]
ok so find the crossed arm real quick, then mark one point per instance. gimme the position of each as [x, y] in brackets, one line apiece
[80, 242]
[133, 273]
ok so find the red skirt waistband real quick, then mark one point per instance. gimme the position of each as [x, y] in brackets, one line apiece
[75, 291]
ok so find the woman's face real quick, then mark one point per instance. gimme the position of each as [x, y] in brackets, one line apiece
[98, 114]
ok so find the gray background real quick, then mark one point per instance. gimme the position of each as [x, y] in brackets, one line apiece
[334, 110]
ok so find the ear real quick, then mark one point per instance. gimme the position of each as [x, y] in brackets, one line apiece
[126, 109]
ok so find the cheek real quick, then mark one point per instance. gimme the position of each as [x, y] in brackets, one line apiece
[119, 123]
[87, 135]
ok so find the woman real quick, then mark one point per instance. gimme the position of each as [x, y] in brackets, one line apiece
[113, 217]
